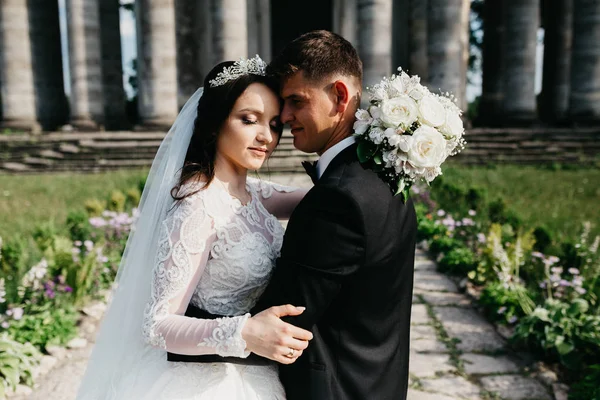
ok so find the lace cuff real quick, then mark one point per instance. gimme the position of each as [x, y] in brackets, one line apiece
[226, 338]
[266, 188]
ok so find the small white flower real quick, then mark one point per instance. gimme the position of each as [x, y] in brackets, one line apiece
[379, 93]
[376, 134]
[401, 111]
[363, 121]
[392, 137]
[428, 148]
[404, 143]
[431, 111]
[396, 87]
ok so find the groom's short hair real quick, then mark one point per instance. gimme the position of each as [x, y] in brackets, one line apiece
[318, 54]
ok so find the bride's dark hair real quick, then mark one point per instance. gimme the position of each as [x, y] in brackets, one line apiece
[214, 108]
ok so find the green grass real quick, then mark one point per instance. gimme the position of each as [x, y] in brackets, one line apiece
[29, 200]
[561, 200]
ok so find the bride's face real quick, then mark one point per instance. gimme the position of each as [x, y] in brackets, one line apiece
[251, 132]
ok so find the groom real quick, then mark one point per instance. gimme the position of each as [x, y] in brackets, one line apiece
[348, 251]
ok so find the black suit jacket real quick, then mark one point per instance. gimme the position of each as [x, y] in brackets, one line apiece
[348, 257]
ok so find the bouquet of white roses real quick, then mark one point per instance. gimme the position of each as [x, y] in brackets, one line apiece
[407, 132]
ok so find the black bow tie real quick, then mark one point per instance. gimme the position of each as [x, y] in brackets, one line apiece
[311, 170]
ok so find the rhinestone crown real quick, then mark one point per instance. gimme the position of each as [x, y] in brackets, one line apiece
[244, 66]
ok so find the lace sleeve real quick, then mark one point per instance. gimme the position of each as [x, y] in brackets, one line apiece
[279, 200]
[183, 250]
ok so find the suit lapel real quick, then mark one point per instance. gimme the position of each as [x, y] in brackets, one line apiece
[346, 156]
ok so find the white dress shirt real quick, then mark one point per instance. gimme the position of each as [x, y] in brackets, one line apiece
[330, 154]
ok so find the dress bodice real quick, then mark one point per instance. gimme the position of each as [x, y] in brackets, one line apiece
[248, 240]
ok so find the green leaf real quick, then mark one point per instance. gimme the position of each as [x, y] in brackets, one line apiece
[11, 375]
[578, 306]
[377, 159]
[365, 151]
[565, 348]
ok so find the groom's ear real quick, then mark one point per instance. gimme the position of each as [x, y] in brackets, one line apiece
[341, 91]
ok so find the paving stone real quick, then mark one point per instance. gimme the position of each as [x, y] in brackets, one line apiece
[419, 395]
[428, 346]
[422, 332]
[515, 387]
[455, 386]
[434, 281]
[419, 315]
[485, 365]
[474, 332]
[445, 299]
[425, 264]
[428, 365]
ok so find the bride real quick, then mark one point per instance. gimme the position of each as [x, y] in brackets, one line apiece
[207, 236]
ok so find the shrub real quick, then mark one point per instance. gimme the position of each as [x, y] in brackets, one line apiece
[78, 225]
[588, 387]
[498, 212]
[562, 331]
[133, 197]
[45, 325]
[94, 207]
[44, 235]
[443, 244]
[459, 260]
[16, 363]
[503, 303]
[117, 201]
[543, 238]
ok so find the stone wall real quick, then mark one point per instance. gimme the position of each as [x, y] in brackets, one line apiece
[100, 151]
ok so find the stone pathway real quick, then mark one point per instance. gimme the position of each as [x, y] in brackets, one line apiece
[455, 352]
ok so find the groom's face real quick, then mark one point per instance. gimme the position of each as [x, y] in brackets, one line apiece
[309, 109]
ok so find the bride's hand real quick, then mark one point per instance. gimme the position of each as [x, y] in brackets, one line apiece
[268, 336]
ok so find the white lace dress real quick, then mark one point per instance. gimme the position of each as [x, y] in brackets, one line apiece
[217, 254]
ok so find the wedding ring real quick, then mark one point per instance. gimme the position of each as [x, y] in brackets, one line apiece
[291, 353]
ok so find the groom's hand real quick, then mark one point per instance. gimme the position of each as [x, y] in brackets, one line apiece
[268, 336]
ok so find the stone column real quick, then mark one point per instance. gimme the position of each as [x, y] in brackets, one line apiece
[345, 19]
[585, 64]
[204, 27]
[16, 72]
[115, 116]
[522, 19]
[157, 62]
[418, 63]
[189, 76]
[259, 28]
[230, 29]
[493, 53]
[87, 104]
[374, 40]
[51, 101]
[446, 27]
[400, 34]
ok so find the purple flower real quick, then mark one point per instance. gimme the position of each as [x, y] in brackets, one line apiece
[472, 213]
[50, 293]
[563, 282]
[77, 243]
[97, 222]
[537, 254]
[89, 245]
[468, 222]
[580, 290]
[441, 213]
[68, 289]
[556, 270]
[543, 285]
[553, 259]
[481, 238]
[501, 310]
[512, 320]
[573, 271]
[5, 325]
[76, 250]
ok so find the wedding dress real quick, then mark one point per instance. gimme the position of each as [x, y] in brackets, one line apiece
[217, 254]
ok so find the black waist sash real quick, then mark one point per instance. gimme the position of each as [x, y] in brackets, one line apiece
[196, 312]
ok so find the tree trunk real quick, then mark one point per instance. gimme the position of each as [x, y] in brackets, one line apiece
[446, 27]
[558, 25]
[157, 62]
[585, 64]
[375, 45]
[493, 53]
[522, 22]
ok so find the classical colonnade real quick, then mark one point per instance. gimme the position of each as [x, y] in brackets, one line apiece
[178, 41]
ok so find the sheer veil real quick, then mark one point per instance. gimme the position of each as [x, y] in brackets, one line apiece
[119, 344]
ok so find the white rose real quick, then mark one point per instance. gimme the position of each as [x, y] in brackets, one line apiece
[399, 111]
[428, 148]
[431, 111]
[363, 121]
[396, 87]
[454, 125]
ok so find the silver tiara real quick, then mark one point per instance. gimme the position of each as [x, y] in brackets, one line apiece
[244, 66]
